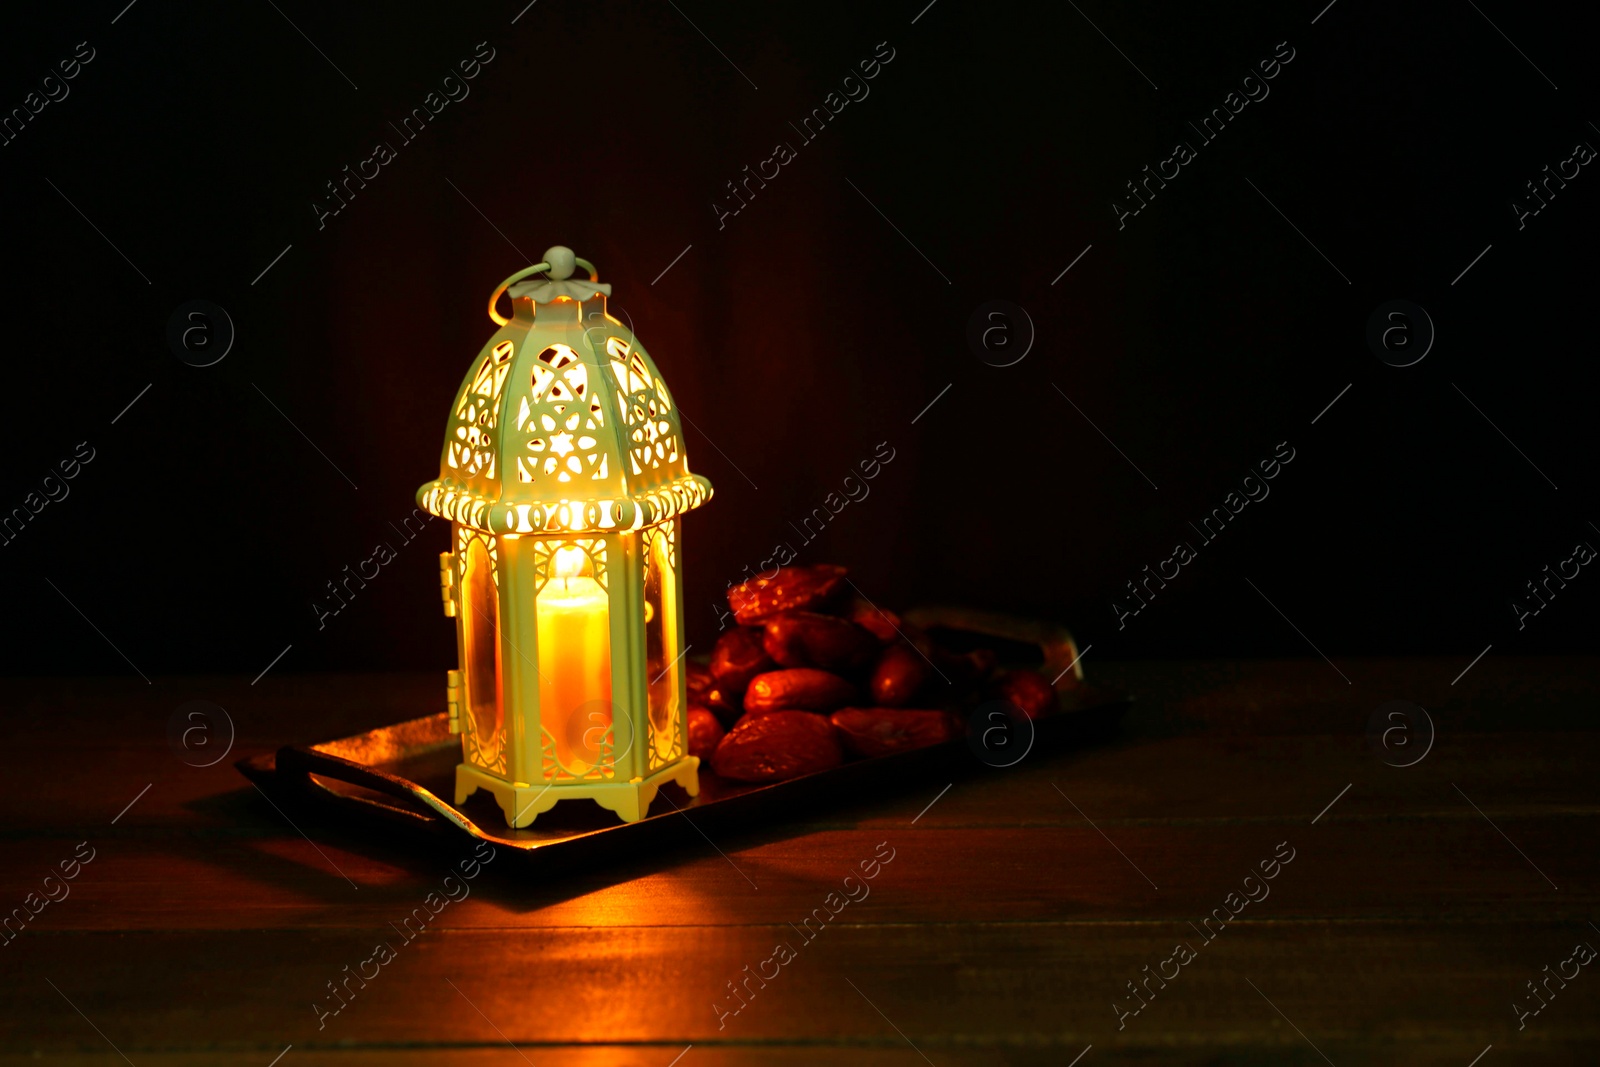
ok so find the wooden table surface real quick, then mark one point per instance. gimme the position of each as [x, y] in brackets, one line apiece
[1418, 904]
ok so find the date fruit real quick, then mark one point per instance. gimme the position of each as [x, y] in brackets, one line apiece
[800, 689]
[777, 746]
[870, 732]
[900, 674]
[739, 656]
[967, 670]
[789, 589]
[705, 734]
[981, 662]
[704, 692]
[807, 639]
[1030, 691]
[884, 625]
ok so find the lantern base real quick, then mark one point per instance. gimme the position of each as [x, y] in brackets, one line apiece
[630, 800]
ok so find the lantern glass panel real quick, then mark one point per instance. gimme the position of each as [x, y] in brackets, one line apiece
[480, 635]
[574, 621]
[663, 643]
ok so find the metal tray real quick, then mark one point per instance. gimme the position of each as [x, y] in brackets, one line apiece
[398, 775]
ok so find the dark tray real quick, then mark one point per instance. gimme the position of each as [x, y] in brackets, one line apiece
[399, 775]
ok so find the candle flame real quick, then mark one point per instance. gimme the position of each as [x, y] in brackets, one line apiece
[569, 562]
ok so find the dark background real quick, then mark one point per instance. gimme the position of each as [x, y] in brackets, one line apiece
[808, 330]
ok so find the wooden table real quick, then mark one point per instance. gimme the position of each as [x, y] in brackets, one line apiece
[1013, 915]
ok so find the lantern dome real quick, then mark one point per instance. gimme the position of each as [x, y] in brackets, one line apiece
[562, 424]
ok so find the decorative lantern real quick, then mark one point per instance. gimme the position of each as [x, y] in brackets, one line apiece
[563, 477]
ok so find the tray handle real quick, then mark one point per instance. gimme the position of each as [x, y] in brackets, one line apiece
[307, 761]
[1054, 640]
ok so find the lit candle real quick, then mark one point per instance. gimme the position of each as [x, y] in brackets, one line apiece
[574, 661]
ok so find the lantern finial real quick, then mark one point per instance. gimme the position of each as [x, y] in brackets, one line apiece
[562, 262]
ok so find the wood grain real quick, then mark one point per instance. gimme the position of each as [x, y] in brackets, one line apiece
[1358, 868]
[1007, 923]
[944, 985]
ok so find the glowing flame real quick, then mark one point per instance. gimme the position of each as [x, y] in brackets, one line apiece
[569, 562]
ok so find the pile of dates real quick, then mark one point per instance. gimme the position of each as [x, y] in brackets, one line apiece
[814, 675]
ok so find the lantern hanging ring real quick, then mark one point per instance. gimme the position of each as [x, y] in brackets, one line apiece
[558, 262]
